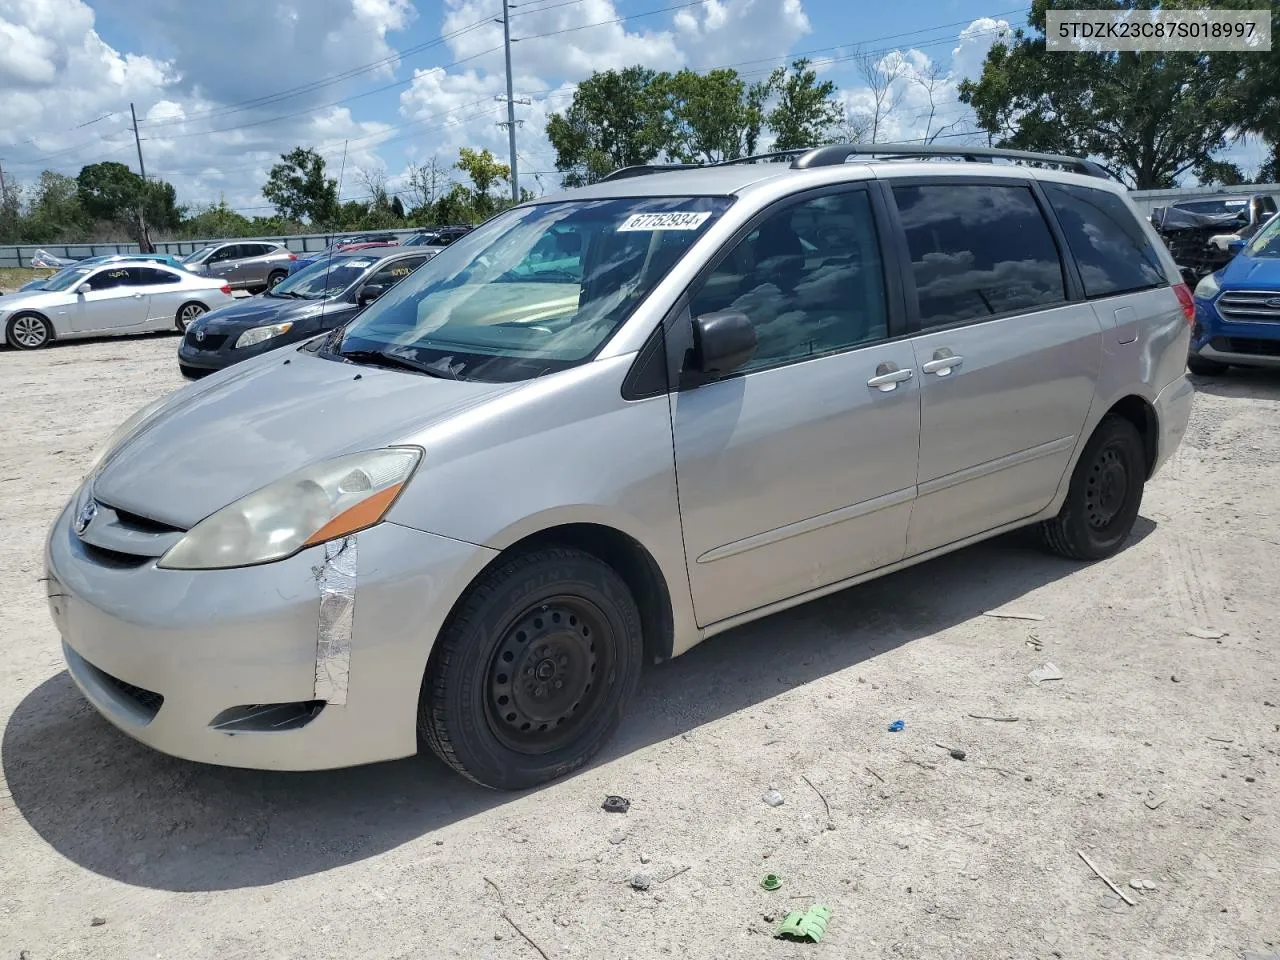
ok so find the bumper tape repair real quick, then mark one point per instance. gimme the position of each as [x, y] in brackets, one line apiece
[336, 578]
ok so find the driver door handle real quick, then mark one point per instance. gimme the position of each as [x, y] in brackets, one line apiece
[888, 376]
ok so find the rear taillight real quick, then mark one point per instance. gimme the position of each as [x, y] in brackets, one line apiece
[226, 288]
[1186, 301]
[293, 256]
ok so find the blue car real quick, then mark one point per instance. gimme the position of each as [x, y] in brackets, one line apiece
[1238, 308]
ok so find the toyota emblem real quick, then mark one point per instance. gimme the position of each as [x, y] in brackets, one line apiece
[85, 516]
[199, 336]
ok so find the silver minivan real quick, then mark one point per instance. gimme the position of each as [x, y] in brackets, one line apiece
[605, 426]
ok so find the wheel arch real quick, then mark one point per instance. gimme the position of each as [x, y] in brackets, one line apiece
[1142, 415]
[626, 555]
[53, 330]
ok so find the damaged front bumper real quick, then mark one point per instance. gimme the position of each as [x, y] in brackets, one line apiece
[308, 663]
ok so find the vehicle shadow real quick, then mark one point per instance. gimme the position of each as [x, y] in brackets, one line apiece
[1254, 383]
[124, 811]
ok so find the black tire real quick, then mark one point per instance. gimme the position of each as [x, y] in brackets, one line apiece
[1205, 368]
[28, 331]
[489, 707]
[189, 311]
[1104, 497]
[274, 278]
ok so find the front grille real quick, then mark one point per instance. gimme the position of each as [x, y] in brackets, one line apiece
[1248, 345]
[211, 341]
[1250, 306]
[148, 700]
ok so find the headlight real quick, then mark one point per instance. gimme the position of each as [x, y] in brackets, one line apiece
[258, 334]
[1207, 288]
[121, 432]
[318, 503]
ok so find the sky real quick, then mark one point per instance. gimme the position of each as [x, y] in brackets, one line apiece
[221, 90]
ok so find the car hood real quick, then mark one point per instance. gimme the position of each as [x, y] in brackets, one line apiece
[257, 311]
[215, 441]
[1248, 271]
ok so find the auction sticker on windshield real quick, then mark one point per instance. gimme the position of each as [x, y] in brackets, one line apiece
[674, 220]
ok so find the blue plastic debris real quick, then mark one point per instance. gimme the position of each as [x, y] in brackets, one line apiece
[897, 726]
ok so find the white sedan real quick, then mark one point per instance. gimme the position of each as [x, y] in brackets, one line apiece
[106, 300]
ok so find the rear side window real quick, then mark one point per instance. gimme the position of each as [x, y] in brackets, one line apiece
[977, 251]
[1113, 251]
[154, 275]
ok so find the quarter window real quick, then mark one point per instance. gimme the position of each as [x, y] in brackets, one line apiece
[1114, 252]
[809, 278]
[978, 251]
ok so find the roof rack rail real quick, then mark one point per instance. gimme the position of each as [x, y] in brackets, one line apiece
[775, 156]
[639, 170]
[840, 153]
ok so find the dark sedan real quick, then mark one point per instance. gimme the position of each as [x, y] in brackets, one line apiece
[325, 295]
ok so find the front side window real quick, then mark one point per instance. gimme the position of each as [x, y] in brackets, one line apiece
[978, 250]
[809, 278]
[110, 278]
[389, 274]
[535, 290]
[1114, 253]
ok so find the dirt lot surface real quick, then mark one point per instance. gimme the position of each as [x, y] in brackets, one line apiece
[1155, 754]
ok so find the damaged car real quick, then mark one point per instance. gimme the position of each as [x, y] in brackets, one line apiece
[1200, 233]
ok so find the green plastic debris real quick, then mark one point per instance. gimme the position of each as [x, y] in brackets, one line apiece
[771, 881]
[811, 926]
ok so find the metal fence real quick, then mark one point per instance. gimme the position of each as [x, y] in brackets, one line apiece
[20, 256]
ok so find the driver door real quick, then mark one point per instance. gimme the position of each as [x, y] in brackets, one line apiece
[116, 300]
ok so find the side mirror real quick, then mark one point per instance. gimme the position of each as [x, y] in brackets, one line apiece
[83, 289]
[722, 342]
[1235, 246]
[369, 293]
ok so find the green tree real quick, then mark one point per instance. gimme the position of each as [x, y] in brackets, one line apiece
[1147, 117]
[713, 116]
[217, 220]
[109, 191]
[397, 208]
[617, 119]
[485, 172]
[454, 206]
[299, 190]
[805, 110]
[54, 211]
[162, 210]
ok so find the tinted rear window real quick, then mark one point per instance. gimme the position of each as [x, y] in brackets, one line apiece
[1113, 251]
[978, 250]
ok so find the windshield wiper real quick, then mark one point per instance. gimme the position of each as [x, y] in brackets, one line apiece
[378, 358]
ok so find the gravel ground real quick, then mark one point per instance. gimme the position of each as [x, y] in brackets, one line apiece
[1156, 755]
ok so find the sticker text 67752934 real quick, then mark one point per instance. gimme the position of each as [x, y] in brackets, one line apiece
[675, 220]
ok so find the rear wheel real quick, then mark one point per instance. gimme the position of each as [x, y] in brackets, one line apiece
[532, 673]
[29, 331]
[1105, 494]
[1205, 368]
[187, 313]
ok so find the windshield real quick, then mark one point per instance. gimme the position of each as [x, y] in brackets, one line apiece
[1266, 242]
[1214, 208]
[66, 279]
[535, 290]
[419, 239]
[324, 278]
[198, 255]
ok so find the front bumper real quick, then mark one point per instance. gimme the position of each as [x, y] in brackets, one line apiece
[1233, 342]
[206, 642]
[196, 358]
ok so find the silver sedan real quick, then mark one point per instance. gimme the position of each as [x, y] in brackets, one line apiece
[106, 300]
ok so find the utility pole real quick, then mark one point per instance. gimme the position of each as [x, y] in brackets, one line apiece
[144, 239]
[511, 103]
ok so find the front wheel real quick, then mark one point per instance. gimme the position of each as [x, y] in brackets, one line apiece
[29, 332]
[1105, 494]
[1205, 368]
[187, 313]
[275, 279]
[533, 671]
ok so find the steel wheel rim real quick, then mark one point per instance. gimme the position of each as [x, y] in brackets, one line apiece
[189, 313]
[564, 640]
[29, 331]
[1107, 488]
